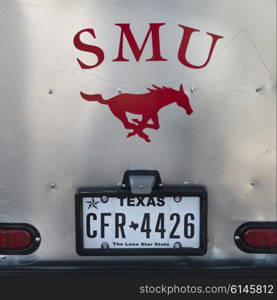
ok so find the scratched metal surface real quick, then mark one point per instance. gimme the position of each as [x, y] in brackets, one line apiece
[52, 141]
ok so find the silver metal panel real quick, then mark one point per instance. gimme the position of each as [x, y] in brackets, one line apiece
[52, 141]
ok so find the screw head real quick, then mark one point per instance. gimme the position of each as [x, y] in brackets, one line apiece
[237, 238]
[52, 185]
[50, 92]
[104, 199]
[177, 245]
[37, 239]
[177, 199]
[105, 245]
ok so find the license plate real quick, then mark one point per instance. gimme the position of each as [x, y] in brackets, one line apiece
[168, 222]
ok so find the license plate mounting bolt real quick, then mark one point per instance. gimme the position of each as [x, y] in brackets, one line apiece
[177, 245]
[105, 245]
[177, 199]
[104, 199]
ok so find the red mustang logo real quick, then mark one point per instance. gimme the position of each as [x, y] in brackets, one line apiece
[147, 105]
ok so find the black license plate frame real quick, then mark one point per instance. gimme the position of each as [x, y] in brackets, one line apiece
[166, 191]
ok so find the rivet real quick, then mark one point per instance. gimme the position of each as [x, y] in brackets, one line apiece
[37, 239]
[259, 89]
[253, 182]
[193, 89]
[237, 237]
[52, 185]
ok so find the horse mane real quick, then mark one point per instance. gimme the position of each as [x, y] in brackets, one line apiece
[159, 89]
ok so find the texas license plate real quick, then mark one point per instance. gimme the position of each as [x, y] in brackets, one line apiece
[165, 223]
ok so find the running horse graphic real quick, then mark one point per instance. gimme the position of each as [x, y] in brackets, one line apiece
[147, 105]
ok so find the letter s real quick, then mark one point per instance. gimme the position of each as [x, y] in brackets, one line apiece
[142, 289]
[160, 201]
[88, 48]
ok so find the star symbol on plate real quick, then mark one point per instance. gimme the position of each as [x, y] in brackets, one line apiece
[92, 203]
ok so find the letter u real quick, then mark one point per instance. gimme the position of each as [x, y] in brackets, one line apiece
[184, 46]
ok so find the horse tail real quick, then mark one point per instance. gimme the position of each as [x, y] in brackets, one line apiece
[95, 97]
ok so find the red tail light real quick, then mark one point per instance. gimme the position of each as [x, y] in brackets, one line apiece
[11, 239]
[18, 238]
[260, 237]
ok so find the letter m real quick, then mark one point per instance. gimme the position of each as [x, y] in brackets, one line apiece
[137, 51]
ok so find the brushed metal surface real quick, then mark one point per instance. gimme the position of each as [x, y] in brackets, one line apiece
[52, 141]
